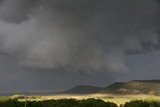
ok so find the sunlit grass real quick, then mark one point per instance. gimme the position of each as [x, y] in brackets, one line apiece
[118, 99]
[3, 98]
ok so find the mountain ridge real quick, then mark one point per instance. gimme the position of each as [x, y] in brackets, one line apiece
[126, 88]
[134, 87]
[83, 89]
[122, 88]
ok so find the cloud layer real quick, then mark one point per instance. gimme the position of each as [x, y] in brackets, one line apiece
[76, 35]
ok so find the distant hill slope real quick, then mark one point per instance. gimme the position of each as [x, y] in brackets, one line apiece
[30, 93]
[83, 89]
[125, 88]
[134, 87]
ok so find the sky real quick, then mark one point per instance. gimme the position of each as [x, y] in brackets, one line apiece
[58, 44]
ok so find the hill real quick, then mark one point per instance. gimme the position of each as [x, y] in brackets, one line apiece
[30, 93]
[134, 87]
[125, 88]
[83, 89]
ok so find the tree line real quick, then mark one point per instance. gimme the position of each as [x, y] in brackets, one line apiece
[76, 103]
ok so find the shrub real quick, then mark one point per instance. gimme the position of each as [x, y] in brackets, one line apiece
[140, 103]
[59, 103]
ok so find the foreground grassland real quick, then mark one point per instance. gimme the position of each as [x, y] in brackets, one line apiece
[4, 98]
[58, 103]
[119, 100]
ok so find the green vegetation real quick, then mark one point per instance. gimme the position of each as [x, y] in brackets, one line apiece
[140, 103]
[58, 103]
[90, 102]
[4, 98]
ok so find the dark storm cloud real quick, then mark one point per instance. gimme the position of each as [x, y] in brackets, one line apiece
[77, 35]
[17, 10]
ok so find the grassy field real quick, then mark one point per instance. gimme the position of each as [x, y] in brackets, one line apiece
[3, 98]
[118, 99]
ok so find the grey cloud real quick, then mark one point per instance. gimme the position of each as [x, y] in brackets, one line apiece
[76, 35]
[17, 11]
